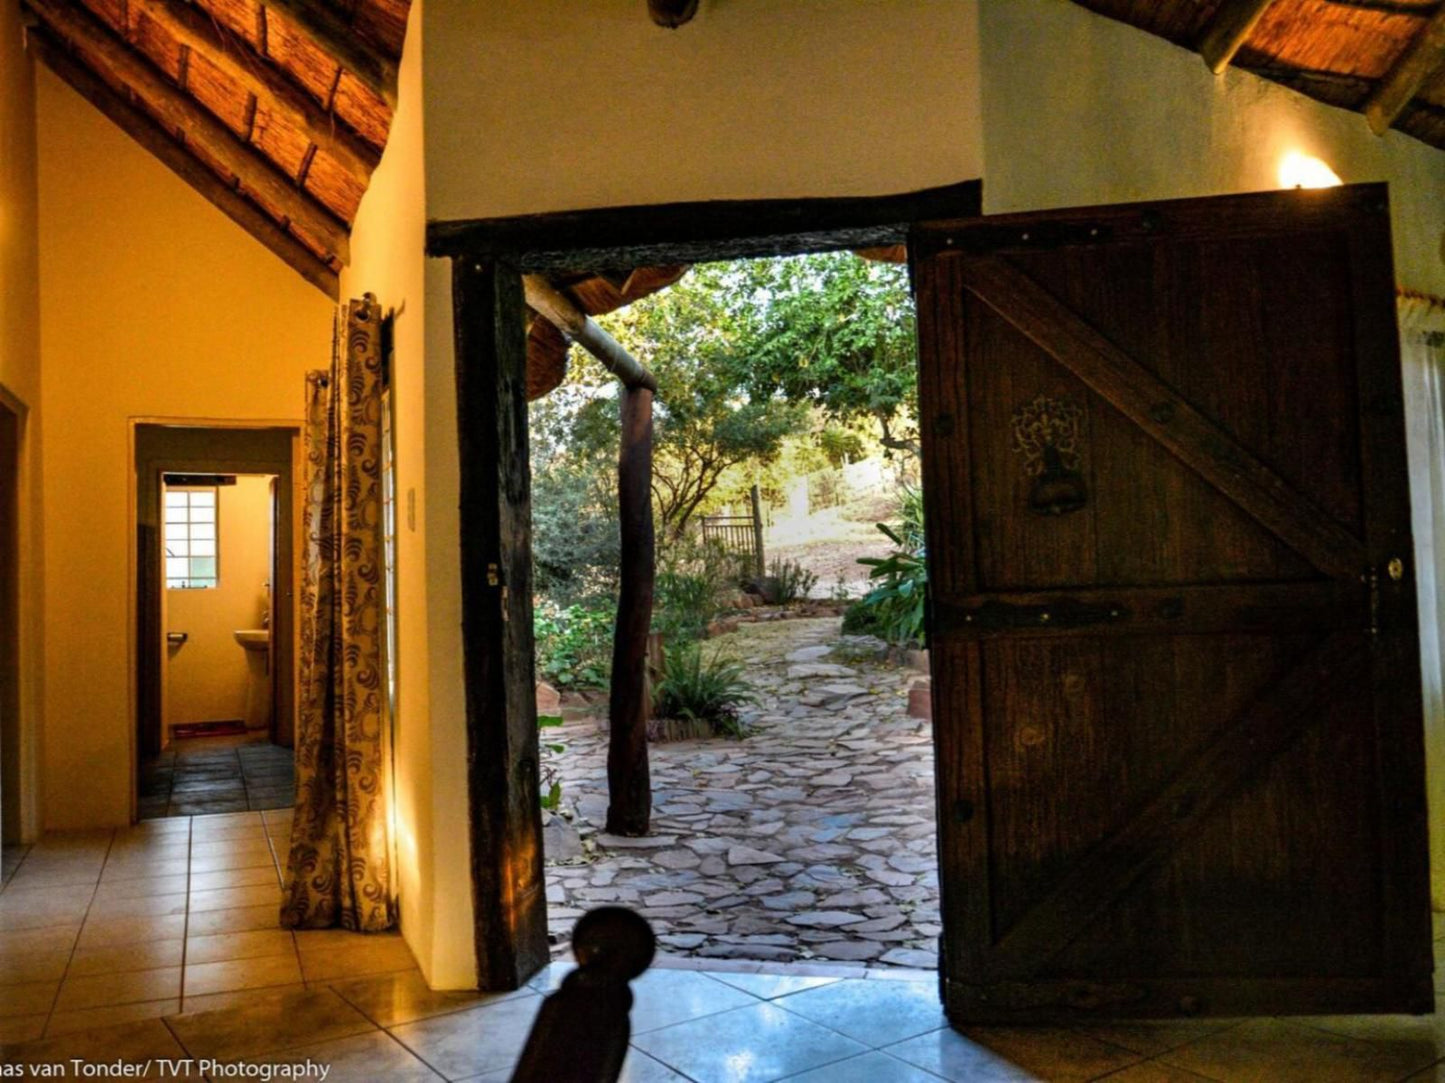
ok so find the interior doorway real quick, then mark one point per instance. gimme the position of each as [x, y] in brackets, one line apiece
[216, 637]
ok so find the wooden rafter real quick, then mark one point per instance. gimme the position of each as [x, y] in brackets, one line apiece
[1228, 30]
[150, 135]
[179, 112]
[376, 72]
[1421, 59]
[274, 91]
[559, 310]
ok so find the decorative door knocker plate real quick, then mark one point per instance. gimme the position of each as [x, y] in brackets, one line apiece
[1046, 434]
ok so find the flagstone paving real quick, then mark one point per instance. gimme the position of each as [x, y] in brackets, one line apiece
[811, 838]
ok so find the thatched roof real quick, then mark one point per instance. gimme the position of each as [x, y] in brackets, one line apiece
[275, 110]
[1384, 58]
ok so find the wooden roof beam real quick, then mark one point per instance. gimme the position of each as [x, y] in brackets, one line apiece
[322, 25]
[1231, 26]
[180, 112]
[180, 161]
[191, 26]
[559, 310]
[1421, 59]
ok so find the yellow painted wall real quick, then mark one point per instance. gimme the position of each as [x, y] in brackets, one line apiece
[20, 365]
[387, 259]
[206, 677]
[153, 304]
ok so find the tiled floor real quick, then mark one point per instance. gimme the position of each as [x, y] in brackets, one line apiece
[161, 942]
[205, 775]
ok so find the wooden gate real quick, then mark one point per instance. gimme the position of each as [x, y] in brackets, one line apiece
[1180, 766]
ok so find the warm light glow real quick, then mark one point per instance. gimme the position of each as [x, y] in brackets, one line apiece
[1298, 170]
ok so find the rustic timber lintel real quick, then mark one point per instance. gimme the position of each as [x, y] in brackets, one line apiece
[1420, 61]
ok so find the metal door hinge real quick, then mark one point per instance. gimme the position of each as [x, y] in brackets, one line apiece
[494, 576]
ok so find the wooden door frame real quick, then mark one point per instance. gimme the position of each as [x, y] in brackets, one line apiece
[488, 258]
[14, 765]
[207, 446]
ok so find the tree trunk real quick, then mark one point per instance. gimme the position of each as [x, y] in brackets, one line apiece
[628, 780]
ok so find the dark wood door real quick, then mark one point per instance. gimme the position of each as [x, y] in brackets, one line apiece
[1180, 758]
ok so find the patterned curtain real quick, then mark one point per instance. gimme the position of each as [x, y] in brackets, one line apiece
[339, 869]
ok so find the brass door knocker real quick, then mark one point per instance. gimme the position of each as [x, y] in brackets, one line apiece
[1046, 433]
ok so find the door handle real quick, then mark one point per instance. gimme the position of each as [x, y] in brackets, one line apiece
[177, 639]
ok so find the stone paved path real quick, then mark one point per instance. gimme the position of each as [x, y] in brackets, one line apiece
[812, 838]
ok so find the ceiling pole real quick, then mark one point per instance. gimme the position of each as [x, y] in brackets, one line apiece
[1421, 59]
[671, 13]
[1231, 26]
[560, 311]
[190, 26]
[376, 72]
[185, 165]
[180, 112]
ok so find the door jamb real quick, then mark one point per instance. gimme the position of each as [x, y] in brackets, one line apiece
[498, 251]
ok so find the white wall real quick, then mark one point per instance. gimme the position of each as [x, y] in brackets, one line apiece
[1079, 109]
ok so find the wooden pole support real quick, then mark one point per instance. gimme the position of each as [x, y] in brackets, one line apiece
[762, 561]
[562, 312]
[1421, 59]
[629, 781]
[1233, 22]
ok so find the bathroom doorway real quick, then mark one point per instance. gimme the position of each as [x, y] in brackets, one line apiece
[216, 652]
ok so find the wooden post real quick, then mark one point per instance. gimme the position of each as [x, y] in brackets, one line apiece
[758, 531]
[629, 781]
[508, 885]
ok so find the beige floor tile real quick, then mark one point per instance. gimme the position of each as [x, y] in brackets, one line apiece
[106, 932]
[20, 968]
[241, 998]
[379, 956]
[234, 974]
[240, 920]
[216, 881]
[147, 887]
[31, 998]
[201, 824]
[29, 877]
[37, 908]
[1273, 1051]
[137, 906]
[250, 945]
[1054, 1053]
[1154, 1036]
[219, 847]
[224, 832]
[268, 1024]
[491, 1037]
[230, 898]
[364, 1058]
[134, 1043]
[390, 999]
[1153, 1071]
[126, 987]
[90, 1018]
[1426, 1029]
[49, 938]
[21, 1028]
[141, 868]
[115, 959]
[246, 859]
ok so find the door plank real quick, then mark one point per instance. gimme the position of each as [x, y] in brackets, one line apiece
[1194, 439]
[1331, 605]
[1257, 735]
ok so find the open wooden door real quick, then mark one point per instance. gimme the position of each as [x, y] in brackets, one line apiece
[1180, 765]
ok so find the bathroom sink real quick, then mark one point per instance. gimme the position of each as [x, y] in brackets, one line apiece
[254, 639]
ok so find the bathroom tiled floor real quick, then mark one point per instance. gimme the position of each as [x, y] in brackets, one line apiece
[161, 942]
[206, 775]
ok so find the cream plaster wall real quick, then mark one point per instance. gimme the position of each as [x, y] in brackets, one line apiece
[1079, 109]
[387, 259]
[20, 371]
[153, 304]
[206, 678]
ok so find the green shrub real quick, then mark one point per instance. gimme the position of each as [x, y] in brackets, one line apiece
[551, 783]
[698, 689]
[794, 581]
[574, 644]
[894, 610]
[692, 579]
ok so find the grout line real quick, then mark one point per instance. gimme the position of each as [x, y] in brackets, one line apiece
[75, 946]
[186, 925]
